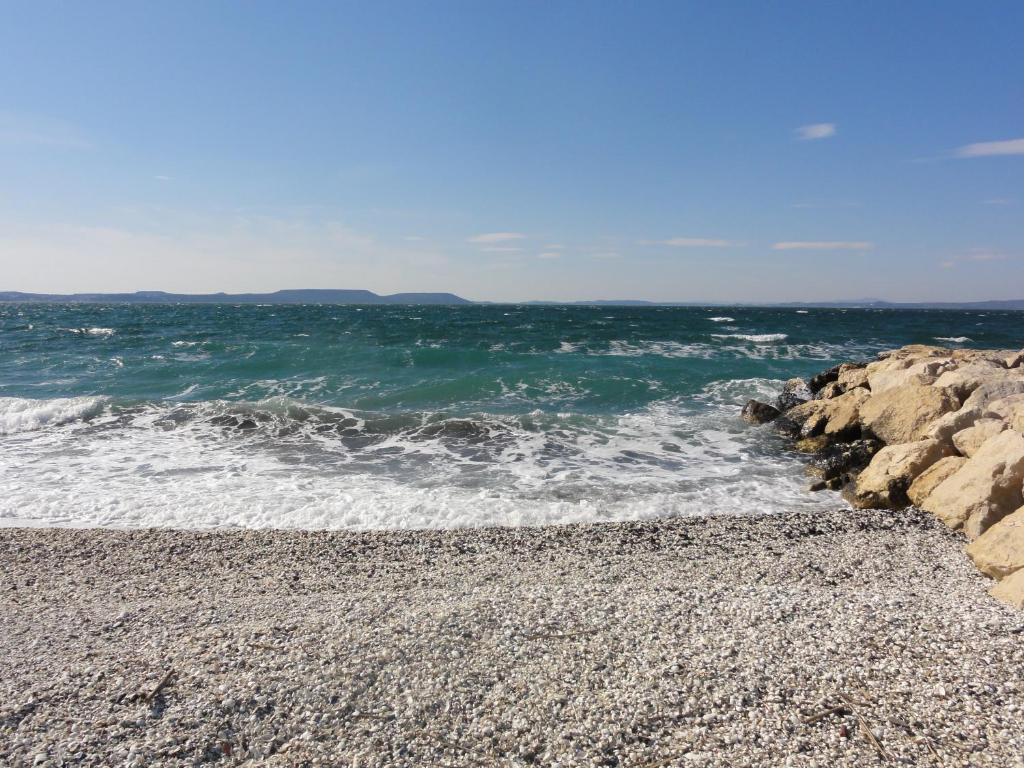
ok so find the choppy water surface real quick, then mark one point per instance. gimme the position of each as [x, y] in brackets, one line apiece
[415, 416]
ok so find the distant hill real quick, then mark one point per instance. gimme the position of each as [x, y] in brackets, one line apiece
[879, 304]
[342, 296]
[302, 296]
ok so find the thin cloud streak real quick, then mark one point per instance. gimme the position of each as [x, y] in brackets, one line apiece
[693, 242]
[823, 245]
[816, 131]
[992, 149]
[495, 237]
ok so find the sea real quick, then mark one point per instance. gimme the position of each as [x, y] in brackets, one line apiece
[399, 417]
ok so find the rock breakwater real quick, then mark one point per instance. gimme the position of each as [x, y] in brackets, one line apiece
[937, 428]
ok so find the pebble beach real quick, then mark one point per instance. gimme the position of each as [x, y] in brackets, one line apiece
[811, 639]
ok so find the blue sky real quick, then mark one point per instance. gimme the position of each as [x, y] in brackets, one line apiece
[515, 150]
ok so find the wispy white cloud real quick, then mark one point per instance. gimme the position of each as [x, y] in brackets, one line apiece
[976, 256]
[816, 131]
[823, 245]
[233, 253]
[992, 148]
[549, 255]
[693, 242]
[999, 201]
[161, 177]
[414, 239]
[554, 246]
[501, 249]
[606, 255]
[23, 129]
[983, 254]
[495, 237]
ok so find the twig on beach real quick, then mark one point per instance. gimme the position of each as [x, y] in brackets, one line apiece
[160, 686]
[562, 636]
[866, 728]
[837, 710]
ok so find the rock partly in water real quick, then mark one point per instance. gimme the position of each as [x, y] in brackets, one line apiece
[999, 551]
[928, 480]
[837, 459]
[794, 392]
[884, 483]
[757, 412]
[985, 489]
[904, 414]
[823, 378]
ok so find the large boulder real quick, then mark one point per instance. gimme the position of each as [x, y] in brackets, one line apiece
[1009, 409]
[928, 480]
[1014, 359]
[757, 412]
[893, 373]
[969, 441]
[903, 414]
[999, 551]
[794, 392]
[948, 424]
[883, 484]
[838, 459]
[985, 489]
[804, 420]
[1011, 383]
[1011, 589]
[966, 378]
[825, 377]
[852, 378]
[842, 414]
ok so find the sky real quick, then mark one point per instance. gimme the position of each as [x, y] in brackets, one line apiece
[670, 151]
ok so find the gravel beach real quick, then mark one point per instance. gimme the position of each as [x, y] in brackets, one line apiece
[849, 638]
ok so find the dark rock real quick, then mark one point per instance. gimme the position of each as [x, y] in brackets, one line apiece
[757, 412]
[820, 485]
[794, 392]
[846, 458]
[823, 378]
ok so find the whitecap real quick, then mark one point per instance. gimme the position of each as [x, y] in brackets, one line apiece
[24, 415]
[722, 319]
[954, 339]
[91, 331]
[755, 337]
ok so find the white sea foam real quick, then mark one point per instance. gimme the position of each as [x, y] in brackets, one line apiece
[801, 311]
[23, 415]
[722, 319]
[760, 338]
[282, 464]
[91, 331]
[954, 339]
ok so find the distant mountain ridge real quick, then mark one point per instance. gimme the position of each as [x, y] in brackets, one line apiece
[353, 296]
[299, 296]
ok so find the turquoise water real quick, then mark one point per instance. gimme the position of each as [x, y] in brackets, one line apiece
[415, 416]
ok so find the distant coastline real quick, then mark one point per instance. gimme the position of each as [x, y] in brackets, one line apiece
[358, 296]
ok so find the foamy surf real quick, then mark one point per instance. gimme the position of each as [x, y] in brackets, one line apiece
[282, 463]
[25, 415]
[406, 417]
